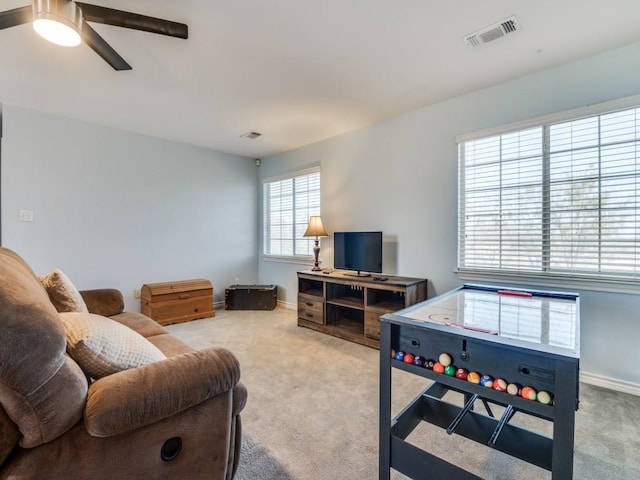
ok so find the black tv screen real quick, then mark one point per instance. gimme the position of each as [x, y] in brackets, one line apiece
[359, 251]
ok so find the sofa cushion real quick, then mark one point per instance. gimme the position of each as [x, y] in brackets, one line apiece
[140, 323]
[102, 346]
[63, 293]
[169, 344]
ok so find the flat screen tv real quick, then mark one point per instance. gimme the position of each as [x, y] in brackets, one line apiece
[359, 251]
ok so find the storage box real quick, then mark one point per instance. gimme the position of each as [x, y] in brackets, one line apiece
[250, 297]
[176, 302]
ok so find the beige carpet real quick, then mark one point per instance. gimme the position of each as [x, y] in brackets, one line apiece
[312, 412]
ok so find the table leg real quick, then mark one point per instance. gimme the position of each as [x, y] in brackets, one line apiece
[564, 420]
[385, 402]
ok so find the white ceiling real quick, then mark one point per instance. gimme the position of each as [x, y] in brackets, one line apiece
[297, 71]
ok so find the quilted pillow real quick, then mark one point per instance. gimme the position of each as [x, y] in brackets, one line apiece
[102, 346]
[62, 293]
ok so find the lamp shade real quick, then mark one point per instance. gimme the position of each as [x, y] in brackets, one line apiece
[59, 21]
[315, 228]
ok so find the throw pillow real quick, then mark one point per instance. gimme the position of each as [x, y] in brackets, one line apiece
[62, 293]
[102, 346]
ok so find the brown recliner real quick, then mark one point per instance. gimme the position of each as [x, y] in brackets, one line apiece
[173, 419]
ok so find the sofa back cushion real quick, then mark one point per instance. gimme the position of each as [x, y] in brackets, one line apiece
[42, 390]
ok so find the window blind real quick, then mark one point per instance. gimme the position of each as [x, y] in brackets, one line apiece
[288, 204]
[557, 199]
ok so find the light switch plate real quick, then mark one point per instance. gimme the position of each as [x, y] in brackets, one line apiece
[26, 216]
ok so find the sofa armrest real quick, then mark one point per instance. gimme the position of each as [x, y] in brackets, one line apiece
[104, 301]
[137, 397]
[239, 398]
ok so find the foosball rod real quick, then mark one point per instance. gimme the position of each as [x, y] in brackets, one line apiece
[462, 413]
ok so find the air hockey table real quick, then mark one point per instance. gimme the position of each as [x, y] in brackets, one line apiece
[525, 338]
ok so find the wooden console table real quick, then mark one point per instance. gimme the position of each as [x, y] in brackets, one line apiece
[350, 307]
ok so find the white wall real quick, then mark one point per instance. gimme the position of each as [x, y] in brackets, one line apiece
[400, 176]
[117, 209]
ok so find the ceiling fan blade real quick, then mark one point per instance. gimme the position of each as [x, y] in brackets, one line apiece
[119, 18]
[102, 48]
[17, 16]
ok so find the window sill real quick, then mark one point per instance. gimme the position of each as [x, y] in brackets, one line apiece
[300, 260]
[553, 281]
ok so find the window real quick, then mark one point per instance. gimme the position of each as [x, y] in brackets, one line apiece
[288, 204]
[555, 199]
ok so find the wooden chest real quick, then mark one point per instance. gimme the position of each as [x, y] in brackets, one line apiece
[176, 302]
[250, 297]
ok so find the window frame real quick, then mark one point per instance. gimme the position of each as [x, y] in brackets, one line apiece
[266, 216]
[554, 279]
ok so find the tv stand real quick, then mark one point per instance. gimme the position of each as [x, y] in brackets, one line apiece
[349, 307]
[357, 274]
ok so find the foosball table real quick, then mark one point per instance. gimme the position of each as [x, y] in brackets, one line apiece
[512, 348]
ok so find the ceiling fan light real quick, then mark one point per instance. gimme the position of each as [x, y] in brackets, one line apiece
[59, 21]
[56, 32]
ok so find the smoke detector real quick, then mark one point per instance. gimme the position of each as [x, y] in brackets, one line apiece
[492, 32]
[250, 135]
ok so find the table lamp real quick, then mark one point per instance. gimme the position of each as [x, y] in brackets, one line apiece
[315, 229]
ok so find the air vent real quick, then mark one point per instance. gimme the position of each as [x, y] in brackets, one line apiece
[250, 135]
[492, 32]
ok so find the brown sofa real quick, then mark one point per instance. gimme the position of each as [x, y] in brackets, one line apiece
[176, 418]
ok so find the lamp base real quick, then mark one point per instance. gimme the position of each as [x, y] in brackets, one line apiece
[316, 252]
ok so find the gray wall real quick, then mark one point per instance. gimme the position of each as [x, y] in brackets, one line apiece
[117, 209]
[400, 176]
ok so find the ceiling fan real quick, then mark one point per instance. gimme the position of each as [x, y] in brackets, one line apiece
[64, 22]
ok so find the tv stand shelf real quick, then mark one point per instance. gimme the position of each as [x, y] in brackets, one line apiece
[346, 302]
[350, 307]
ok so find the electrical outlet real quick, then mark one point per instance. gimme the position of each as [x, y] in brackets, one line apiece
[137, 293]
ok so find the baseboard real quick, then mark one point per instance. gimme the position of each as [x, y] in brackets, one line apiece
[219, 304]
[610, 383]
[287, 305]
